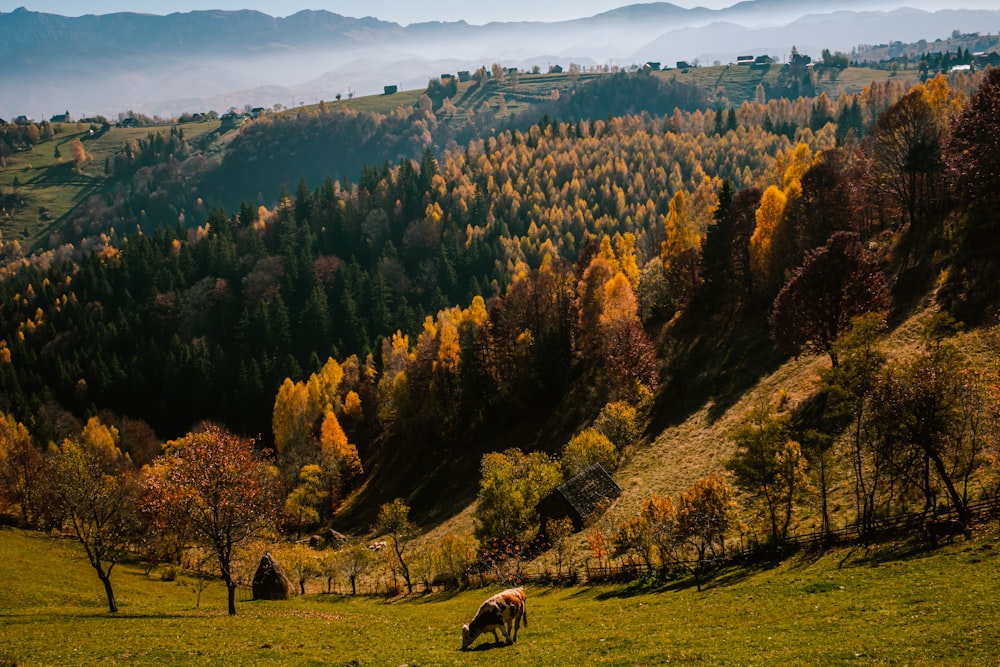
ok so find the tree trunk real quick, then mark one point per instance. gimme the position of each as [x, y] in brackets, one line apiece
[231, 590]
[112, 605]
[957, 501]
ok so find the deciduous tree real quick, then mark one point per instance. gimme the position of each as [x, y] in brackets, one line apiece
[837, 283]
[22, 471]
[354, 560]
[96, 488]
[221, 487]
[511, 486]
[769, 466]
[394, 521]
[585, 449]
[704, 514]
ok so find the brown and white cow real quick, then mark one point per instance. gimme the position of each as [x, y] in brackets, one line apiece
[500, 611]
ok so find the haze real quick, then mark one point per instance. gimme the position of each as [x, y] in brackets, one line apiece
[191, 62]
[406, 12]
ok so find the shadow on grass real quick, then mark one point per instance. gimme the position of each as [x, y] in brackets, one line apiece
[486, 646]
[436, 596]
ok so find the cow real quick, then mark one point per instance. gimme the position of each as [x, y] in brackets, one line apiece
[500, 611]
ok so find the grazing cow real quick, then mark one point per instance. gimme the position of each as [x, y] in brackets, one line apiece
[500, 611]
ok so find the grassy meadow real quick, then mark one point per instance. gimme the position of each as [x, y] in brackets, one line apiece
[55, 185]
[844, 607]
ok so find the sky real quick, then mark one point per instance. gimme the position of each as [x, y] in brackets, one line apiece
[398, 11]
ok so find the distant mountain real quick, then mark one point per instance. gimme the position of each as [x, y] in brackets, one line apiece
[212, 59]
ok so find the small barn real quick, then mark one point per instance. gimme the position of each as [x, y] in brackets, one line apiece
[390, 90]
[581, 498]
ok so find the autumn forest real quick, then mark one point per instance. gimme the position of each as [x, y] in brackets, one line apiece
[479, 307]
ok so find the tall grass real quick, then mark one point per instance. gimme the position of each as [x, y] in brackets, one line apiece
[855, 607]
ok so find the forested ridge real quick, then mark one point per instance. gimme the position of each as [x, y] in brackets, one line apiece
[536, 274]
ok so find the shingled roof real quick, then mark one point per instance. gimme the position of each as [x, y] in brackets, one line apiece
[581, 497]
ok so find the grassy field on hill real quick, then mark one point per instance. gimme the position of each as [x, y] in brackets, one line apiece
[740, 83]
[845, 607]
[53, 186]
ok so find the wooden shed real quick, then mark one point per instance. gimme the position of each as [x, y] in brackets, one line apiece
[581, 498]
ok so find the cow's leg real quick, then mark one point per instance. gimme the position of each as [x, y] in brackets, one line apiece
[505, 628]
[517, 625]
[496, 639]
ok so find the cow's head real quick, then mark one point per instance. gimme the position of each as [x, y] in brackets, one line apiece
[467, 636]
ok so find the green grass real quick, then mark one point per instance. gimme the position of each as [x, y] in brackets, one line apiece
[935, 608]
[53, 186]
[739, 83]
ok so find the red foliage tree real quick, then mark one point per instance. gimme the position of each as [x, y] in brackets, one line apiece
[836, 283]
[220, 488]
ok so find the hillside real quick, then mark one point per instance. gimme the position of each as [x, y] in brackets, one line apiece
[49, 188]
[419, 301]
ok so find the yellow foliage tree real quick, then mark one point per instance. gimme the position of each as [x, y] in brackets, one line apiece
[585, 449]
[292, 425]
[768, 215]
[682, 235]
[334, 446]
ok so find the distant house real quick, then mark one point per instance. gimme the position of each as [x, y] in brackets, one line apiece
[683, 64]
[22, 120]
[762, 61]
[232, 119]
[745, 60]
[555, 69]
[982, 60]
[961, 68]
[390, 90]
[257, 112]
[2, 122]
[61, 118]
[128, 122]
[464, 75]
[652, 65]
[580, 498]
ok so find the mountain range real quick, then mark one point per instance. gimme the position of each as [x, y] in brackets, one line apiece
[219, 59]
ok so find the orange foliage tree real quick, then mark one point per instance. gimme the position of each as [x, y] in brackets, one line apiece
[220, 488]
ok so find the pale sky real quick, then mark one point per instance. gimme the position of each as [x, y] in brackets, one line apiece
[399, 11]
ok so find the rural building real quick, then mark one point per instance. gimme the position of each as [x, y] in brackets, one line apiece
[652, 65]
[464, 75]
[683, 64]
[232, 119]
[390, 90]
[555, 69]
[580, 498]
[61, 118]
[745, 60]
